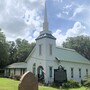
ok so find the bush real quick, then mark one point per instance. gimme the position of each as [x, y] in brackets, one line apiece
[86, 81]
[55, 85]
[17, 77]
[83, 82]
[71, 84]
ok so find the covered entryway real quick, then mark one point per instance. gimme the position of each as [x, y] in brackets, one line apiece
[40, 74]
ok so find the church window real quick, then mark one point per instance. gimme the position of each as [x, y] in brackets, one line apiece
[40, 49]
[79, 72]
[14, 71]
[50, 48]
[86, 72]
[71, 72]
[50, 71]
[21, 71]
[34, 68]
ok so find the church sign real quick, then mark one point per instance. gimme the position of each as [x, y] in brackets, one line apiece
[60, 75]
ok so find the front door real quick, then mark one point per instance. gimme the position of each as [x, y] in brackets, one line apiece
[40, 74]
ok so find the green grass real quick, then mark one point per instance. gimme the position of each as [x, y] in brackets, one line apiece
[9, 84]
[49, 88]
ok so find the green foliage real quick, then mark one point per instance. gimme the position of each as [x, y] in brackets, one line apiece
[55, 85]
[80, 43]
[23, 49]
[71, 84]
[3, 50]
[17, 77]
[2, 37]
[86, 82]
[11, 52]
[19, 50]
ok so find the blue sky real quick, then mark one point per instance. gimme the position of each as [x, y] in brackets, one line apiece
[24, 18]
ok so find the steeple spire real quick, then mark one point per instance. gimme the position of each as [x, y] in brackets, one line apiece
[45, 23]
[45, 33]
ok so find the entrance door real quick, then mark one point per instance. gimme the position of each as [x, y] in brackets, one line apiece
[40, 74]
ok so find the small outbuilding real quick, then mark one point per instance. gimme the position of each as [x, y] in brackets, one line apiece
[15, 69]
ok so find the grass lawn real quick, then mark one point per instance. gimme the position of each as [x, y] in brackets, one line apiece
[8, 84]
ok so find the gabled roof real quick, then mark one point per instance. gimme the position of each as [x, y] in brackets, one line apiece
[31, 53]
[17, 65]
[71, 55]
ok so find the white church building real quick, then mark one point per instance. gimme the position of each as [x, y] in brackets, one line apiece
[47, 56]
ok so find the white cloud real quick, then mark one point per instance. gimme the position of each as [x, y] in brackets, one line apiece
[59, 37]
[65, 12]
[76, 30]
[75, 11]
[59, 15]
[58, 1]
[20, 18]
[78, 10]
[67, 6]
[36, 34]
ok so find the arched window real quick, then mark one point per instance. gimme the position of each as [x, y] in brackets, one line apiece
[34, 68]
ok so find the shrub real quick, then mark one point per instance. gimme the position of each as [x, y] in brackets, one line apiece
[17, 77]
[55, 85]
[66, 85]
[86, 81]
[83, 82]
[71, 84]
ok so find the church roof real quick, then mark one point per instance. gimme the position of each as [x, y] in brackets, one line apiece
[45, 35]
[70, 55]
[17, 65]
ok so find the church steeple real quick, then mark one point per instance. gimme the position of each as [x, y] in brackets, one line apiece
[45, 33]
[45, 23]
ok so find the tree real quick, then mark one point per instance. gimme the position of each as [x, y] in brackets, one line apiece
[3, 50]
[12, 51]
[80, 43]
[23, 49]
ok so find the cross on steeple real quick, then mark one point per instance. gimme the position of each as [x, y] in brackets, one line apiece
[45, 23]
